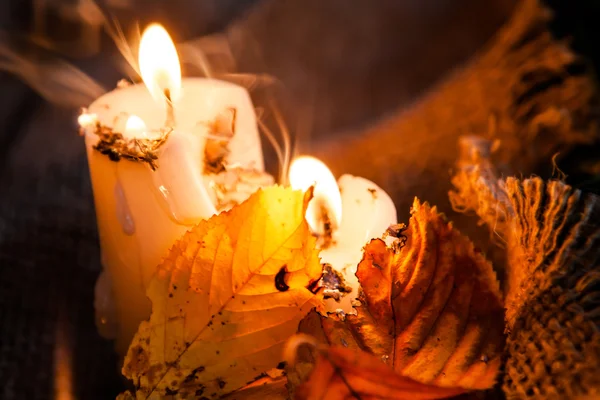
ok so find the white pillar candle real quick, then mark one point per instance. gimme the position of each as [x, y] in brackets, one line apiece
[141, 212]
[359, 211]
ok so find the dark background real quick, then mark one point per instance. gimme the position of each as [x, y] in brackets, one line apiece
[343, 66]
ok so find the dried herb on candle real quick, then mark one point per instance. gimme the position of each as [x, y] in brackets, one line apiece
[333, 283]
[397, 231]
[431, 312]
[216, 149]
[116, 147]
[226, 322]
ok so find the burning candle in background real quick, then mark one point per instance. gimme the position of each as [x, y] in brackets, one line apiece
[142, 210]
[345, 215]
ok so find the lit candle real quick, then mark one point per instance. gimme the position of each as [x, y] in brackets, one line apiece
[345, 215]
[141, 211]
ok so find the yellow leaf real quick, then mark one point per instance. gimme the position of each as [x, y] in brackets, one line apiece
[226, 298]
[432, 311]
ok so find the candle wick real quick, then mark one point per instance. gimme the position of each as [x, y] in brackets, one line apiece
[170, 122]
[327, 237]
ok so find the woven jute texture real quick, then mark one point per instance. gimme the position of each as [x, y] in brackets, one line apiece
[553, 303]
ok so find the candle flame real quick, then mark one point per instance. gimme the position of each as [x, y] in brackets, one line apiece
[159, 63]
[308, 171]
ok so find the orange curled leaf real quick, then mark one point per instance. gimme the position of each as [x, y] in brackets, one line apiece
[228, 295]
[447, 305]
[433, 310]
[262, 389]
[341, 373]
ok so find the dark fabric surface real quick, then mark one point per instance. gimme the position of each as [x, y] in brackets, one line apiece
[49, 261]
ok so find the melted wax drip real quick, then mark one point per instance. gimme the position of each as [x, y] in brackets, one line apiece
[168, 203]
[104, 304]
[123, 213]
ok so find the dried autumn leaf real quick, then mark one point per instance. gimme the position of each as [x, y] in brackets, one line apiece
[433, 310]
[342, 373]
[226, 298]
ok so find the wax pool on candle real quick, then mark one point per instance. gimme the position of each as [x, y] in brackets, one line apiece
[140, 212]
[365, 212]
